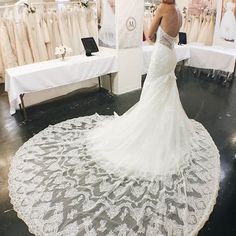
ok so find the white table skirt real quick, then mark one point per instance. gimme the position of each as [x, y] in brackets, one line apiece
[182, 53]
[216, 58]
[50, 74]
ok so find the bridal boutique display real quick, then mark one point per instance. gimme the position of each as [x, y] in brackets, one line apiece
[151, 171]
[31, 34]
[199, 24]
[228, 22]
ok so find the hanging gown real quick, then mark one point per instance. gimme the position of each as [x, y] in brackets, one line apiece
[24, 54]
[64, 33]
[2, 71]
[68, 22]
[210, 31]
[194, 29]
[82, 19]
[188, 27]
[202, 36]
[10, 30]
[19, 48]
[76, 32]
[8, 58]
[36, 39]
[50, 45]
[199, 26]
[184, 25]
[107, 33]
[228, 23]
[92, 24]
[55, 31]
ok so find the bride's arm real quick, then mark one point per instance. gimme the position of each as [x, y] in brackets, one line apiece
[155, 23]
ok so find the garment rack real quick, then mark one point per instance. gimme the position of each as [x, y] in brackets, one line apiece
[45, 4]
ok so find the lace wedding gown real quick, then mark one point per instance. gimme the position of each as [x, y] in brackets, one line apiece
[228, 22]
[151, 171]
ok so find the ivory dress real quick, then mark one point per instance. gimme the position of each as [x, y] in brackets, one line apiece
[92, 24]
[107, 34]
[82, 19]
[194, 29]
[210, 31]
[228, 22]
[8, 57]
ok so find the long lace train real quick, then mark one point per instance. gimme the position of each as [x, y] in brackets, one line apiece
[58, 189]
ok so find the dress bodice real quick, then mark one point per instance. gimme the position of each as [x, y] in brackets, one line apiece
[165, 39]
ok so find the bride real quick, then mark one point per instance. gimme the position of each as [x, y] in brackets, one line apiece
[151, 171]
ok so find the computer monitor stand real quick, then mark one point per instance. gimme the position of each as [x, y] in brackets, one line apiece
[88, 54]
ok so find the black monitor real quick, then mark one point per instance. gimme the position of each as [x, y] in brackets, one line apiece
[89, 45]
[182, 38]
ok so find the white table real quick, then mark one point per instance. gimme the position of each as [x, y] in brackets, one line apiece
[182, 53]
[49, 74]
[215, 58]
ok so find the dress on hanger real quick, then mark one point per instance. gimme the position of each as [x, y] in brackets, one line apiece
[194, 29]
[184, 25]
[210, 31]
[19, 48]
[10, 30]
[200, 25]
[8, 58]
[76, 32]
[24, 54]
[188, 26]
[107, 33]
[50, 45]
[68, 20]
[62, 24]
[92, 24]
[203, 34]
[82, 19]
[2, 71]
[35, 35]
[55, 31]
[228, 22]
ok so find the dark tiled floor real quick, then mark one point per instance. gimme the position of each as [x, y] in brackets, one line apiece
[206, 101]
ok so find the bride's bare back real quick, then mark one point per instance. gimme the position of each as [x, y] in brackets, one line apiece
[168, 17]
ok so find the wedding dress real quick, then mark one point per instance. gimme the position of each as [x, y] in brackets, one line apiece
[107, 34]
[149, 172]
[50, 45]
[203, 36]
[194, 29]
[92, 24]
[228, 22]
[8, 57]
[83, 22]
[210, 31]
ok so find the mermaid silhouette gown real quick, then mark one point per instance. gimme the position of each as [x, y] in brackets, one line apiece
[151, 171]
[154, 137]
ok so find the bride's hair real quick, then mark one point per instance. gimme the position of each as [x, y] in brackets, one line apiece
[168, 1]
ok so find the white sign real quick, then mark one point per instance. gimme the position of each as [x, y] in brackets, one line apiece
[129, 19]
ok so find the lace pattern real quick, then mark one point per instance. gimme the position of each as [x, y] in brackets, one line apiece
[57, 188]
[165, 39]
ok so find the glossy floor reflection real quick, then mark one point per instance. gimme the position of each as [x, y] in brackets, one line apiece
[206, 101]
